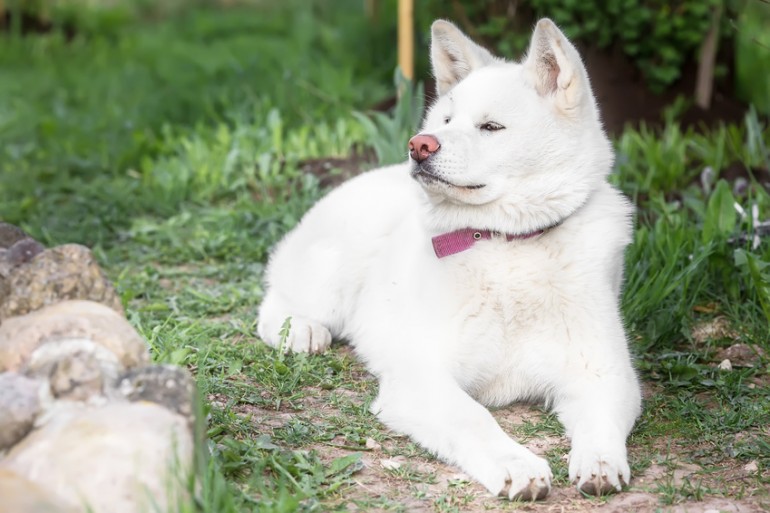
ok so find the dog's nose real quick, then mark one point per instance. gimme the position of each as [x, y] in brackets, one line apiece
[422, 146]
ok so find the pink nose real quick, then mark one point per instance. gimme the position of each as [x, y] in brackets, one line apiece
[422, 146]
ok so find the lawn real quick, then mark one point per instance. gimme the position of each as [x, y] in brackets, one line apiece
[181, 147]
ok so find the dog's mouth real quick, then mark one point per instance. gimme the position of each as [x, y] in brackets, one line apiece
[428, 177]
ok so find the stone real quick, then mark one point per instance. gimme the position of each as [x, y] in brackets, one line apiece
[10, 234]
[725, 365]
[23, 251]
[751, 467]
[76, 369]
[56, 274]
[19, 495]
[170, 386]
[117, 458]
[19, 249]
[23, 339]
[742, 355]
[19, 404]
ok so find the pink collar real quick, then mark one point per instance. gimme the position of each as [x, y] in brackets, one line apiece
[454, 242]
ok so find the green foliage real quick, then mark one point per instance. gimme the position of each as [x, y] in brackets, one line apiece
[692, 242]
[387, 133]
[112, 116]
[658, 36]
[720, 216]
[758, 272]
[752, 54]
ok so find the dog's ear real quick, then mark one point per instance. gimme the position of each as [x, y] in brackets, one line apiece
[453, 55]
[555, 67]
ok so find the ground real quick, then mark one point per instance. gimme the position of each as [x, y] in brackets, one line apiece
[392, 474]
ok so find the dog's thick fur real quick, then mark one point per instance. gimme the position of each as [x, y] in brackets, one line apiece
[521, 149]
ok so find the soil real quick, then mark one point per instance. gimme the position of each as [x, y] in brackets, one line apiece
[332, 171]
[397, 476]
[386, 479]
[624, 99]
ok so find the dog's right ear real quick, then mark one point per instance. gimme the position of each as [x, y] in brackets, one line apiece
[453, 55]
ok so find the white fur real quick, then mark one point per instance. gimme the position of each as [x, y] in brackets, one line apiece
[504, 321]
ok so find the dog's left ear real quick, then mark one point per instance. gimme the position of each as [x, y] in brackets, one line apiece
[555, 67]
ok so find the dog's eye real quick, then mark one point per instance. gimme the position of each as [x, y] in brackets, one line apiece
[491, 126]
[447, 120]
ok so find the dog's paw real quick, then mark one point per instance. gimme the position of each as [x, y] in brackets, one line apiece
[599, 473]
[526, 478]
[303, 336]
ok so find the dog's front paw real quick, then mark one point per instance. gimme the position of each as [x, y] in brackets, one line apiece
[599, 472]
[522, 477]
[298, 335]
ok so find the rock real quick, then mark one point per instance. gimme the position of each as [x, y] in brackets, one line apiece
[742, 355]
[10, 234]
[19, 404]
[167, 385]
[22, 338]
[390, 463]
[725, 365]
[76, 369]
[56, 274]
[751, 467]
[23, 251]
[118, 458]
[20, 495]
[18, 251]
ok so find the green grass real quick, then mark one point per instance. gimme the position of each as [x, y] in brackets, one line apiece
[174, 148]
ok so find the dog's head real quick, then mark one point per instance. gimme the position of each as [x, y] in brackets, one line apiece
[508, 146]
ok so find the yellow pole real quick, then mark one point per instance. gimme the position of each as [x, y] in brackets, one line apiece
[406, 38]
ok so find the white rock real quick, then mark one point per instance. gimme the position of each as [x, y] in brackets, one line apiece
[118, 458]
[725, 365]
[390, 464]
[751, 467]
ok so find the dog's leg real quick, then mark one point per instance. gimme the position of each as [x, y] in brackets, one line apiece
[278, 327]
[598, 413]
[441, 417]
[304, 300]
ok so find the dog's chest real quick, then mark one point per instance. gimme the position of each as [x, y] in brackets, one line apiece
[510, 304]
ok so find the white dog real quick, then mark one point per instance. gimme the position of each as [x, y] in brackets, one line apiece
[485, 270]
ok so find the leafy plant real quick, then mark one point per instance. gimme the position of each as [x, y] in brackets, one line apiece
[388, 133]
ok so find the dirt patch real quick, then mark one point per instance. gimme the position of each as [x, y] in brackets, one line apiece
[395, 478]
[625, 99]
[332, 171]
